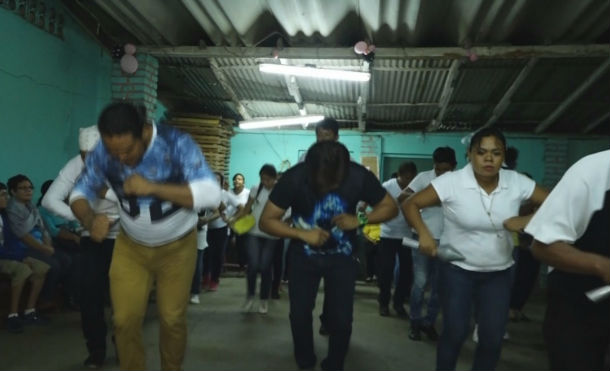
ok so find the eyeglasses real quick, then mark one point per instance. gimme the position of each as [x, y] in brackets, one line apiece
[26, 188]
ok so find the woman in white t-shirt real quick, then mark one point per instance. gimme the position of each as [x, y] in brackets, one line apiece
[259, 245]
[476, 200]
[242, 193]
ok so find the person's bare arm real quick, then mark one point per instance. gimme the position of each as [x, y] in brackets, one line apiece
[517, 223]
[45, 248]
[411, 210]
[98, 225]
[384, 210]
[566, 257]
[406, 193]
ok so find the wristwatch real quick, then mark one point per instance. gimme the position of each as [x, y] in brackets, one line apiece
[362, 219]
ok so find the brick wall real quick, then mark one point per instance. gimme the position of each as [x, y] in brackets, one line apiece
[555, 160]
[140, 87]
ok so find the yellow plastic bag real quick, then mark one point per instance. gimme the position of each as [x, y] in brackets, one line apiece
[243, 224]
[372, 232]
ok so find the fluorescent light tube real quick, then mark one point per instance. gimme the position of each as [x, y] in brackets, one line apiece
[322, 73]
[280, 121]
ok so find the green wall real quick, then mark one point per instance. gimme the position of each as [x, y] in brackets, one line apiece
[48, 89]
[251, 149]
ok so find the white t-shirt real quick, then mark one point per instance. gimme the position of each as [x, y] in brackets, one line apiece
[432, 216]
[468, 228]
[242, 198]
[566, 212]
[257, 209]
[396, 227]
[229, 200]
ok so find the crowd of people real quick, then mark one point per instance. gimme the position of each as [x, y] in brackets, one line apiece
[139, 208]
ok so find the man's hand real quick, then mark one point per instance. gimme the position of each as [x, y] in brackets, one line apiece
[346, 222]
[427, 244]
[314, 237]
[100, 226]
[137, 185]
[48, 250]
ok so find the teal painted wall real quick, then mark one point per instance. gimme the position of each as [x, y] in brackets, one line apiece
[48, 89]
[251, 149]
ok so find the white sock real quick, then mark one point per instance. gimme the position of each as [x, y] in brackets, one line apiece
[13, 315]
[28, 311]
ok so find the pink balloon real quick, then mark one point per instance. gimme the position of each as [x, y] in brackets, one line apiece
[129, 63]
[360, 47]
[129, 49]
[473, 57]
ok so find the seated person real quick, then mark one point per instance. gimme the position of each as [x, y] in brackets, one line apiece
[15, 263]
[26, 224]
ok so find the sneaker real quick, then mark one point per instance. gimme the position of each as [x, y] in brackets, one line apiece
[194, 299]
[248, 304]
[14, 325]
[95, 360]
[262, 307]
[384, 311]
[430, 332]
[414, 333]
[475, 334]
[34, 318]
[213, 286]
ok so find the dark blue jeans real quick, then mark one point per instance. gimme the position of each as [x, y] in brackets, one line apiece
[386, 259]
[196, 284]
[260, 257]
[339, 272]
[490, 294]
[425, 273]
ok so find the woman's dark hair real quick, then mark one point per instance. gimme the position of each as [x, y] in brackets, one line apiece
[268, 169]
[444, 155]
[122, 118]
[43, 190]
[222, 177]
[14, 181]
[486, 132]
[407, 167]
[239, 174]
[327, 165]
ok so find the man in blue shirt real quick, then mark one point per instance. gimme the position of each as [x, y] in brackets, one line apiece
[160, 178]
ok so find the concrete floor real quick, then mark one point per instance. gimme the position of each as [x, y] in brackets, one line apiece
[221, 337]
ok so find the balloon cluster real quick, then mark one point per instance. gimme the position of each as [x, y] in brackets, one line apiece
[129, 63]
[362, 47]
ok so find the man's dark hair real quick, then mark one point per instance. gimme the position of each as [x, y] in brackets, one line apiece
[444, 154]
[327, 165]
[407, 167]
[486, 132]
[14, 181]
[122, 118]
[510, 157]
[328, 124]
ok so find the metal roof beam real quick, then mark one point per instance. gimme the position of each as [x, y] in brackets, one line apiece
[507, 52]
[505, 101]
[595, 123]
[229, 89]
[572, 97]
[363, 100]
[450, 83]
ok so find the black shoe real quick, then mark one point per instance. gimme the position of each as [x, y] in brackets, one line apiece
[400, 311]
[34, 318]
[323, 331]
[95, 360]
[311, 365]
[384, 311]
[275, 295]
[14, 325]
[430, 332]
[414, 333]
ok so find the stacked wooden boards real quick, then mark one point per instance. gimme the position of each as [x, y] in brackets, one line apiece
[213, 135]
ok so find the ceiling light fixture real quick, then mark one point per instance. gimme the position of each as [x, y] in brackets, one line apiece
[280, 121]
[314, 72]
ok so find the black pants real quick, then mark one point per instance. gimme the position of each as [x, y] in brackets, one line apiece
[278, 257]
[95, 260]
[526, 274]
[577, 332]
[242, 254]
[339, 272]
[386, 259]
[214, 257]
[370, 250]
